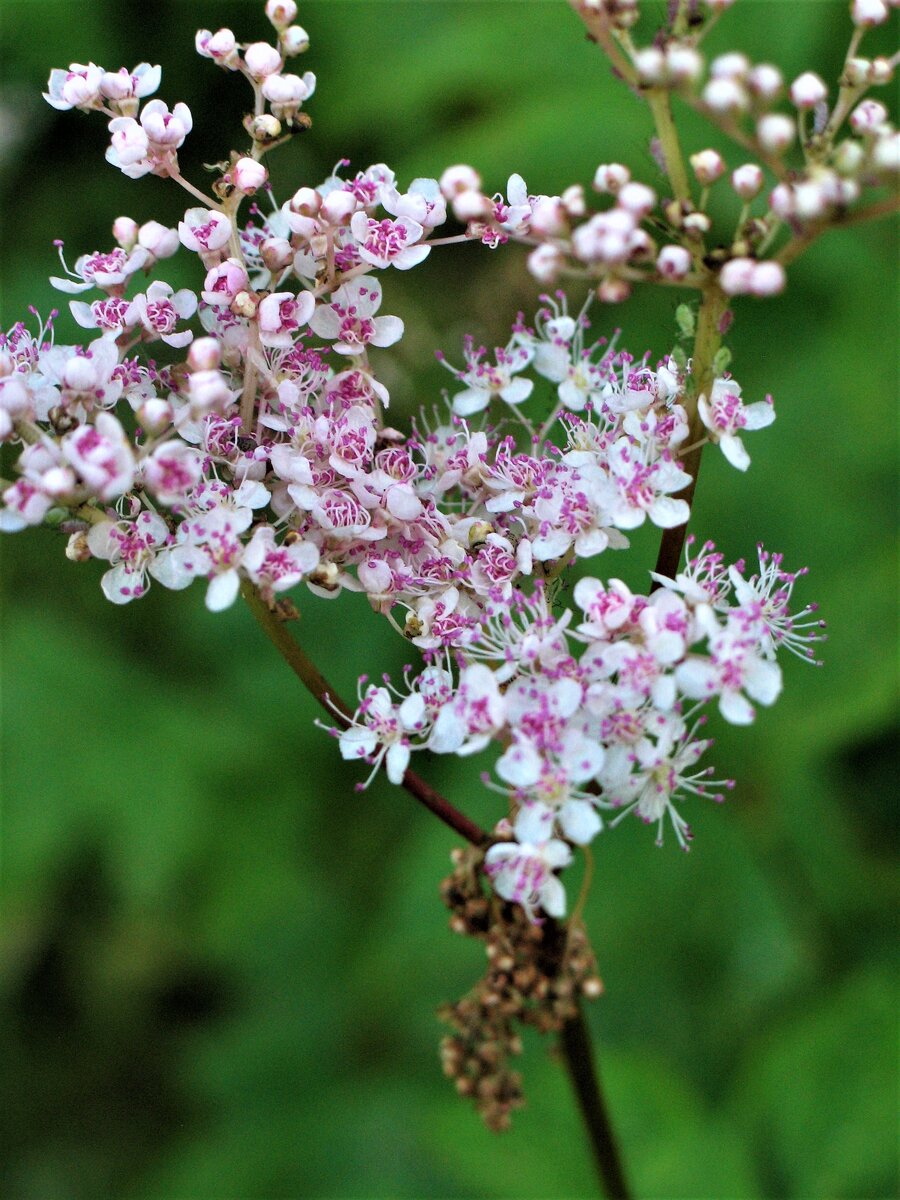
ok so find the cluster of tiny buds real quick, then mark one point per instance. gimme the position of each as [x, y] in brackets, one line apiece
[534, 974]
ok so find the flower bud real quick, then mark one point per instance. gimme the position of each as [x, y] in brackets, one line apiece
[306, 202]
[613, 291]
[245, 304]
[573, 201]
[281, 12]
[204, 354]
[866, 13]
[881, 71]
[886, 154]
[848, 157]
[868, 117]
[155, 415]
[765, 81]
[77, 548]
[725, 96]
[708, 166]
[248, 175]
[736, 276]
[161, 241]
[696, 223]
[730, 66]
[684, 64]
[651, 65]
[609, 177]
[221, 47]
[636, 198]
[548, 217]
[261, 60]
[264, 128]
[767, 279]
[338, 207]
[125, 231]
[294, 41]
[808, 90]
[775, 132]
[58, 481]
[781, 201]
[673, 262]
[472, 206]
[545, 263]
[747, 181]
[459, 179]
[277, 253]
[208, 391]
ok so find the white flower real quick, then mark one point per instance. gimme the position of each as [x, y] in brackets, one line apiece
[522, 871]
[724, 414]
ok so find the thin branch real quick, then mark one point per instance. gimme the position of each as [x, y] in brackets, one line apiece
[578, 1055]
[319, 687]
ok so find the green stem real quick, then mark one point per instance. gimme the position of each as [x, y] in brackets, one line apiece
[669, 143]
[707, 341]
[318, 686]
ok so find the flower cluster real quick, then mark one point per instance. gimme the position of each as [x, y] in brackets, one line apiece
[254, 452]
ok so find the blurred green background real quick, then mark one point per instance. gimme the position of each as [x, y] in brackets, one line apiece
[220, 963]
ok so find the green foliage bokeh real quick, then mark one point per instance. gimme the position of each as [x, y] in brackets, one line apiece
[220, 963]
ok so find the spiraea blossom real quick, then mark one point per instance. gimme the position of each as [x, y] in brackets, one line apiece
[233, 432]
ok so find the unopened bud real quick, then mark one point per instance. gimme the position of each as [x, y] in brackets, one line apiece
[125, 231]
[729, 66]
[868, 117]
[545, 263]
[865, 13]
[673, 262]
[636, 198]
[767, 279]
[306, 202]
[161, 241]
[881, 71]
[573, 201]
[765, 81]
[294, 41]
[808, 90]
[261, 60]
[155, 416]
[725, 96]
[651, 65]
[249, 175]
[684, 64]
[708, 166]
[264, 128]
[277, 253]
[610, 177]
[77, 549]
[775, 132]
[747, 181]
[696, 223]
[281, 12]
[338, 207]
[460, 178]
[613, 290]
[204, 354]
[471, 206]
[886, 154]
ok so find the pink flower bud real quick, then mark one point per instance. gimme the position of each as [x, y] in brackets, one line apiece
[223, 282]
[208, 392]
[684, 64]
[610, 177]
[294, 41]
[725, 96]
[261, 60]
[808, 90]
[747, 181]
[781, 201]
[154, 416]
[881, 71]
[886, 154]
[338, 207]
[735, 278]
[306, 201]
[868, 117]
[204, 354]
[125, 231]
[636, 198]
[548, 217]
[277, 253]
[573, 200]
[775, 132]
[281, 12]
[472, 206]
[248, 175]
[767, 279]
[673, 262]
[613, 291]
[765, 81]
[696, 222]
[708, 166]
[161, 241]
[545, 263]
[866, 13]
[729, 66]
[651, 64]
[221, 47]
[458, 179]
